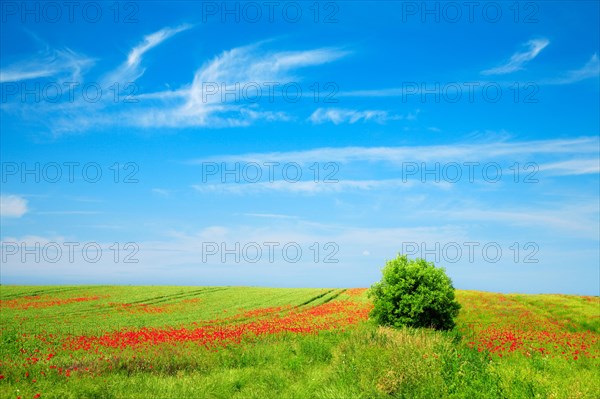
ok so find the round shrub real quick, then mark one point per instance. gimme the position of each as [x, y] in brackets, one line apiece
[414, 293]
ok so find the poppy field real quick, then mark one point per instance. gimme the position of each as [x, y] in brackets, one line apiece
[246, 342]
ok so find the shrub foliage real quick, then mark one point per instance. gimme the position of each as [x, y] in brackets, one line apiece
[414, 293]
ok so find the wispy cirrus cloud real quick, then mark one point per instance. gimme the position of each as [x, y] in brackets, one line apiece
[161, 192]
[202, 103]
[50, 63]
[196, 104]
[270, 216]
[418, 90]
[572, 167]
[68, 213]
[558, 157]
[574, 218]
[79, 114]
[306, 187]
[518, 60]
[31, 241]
[590, 70]
[252, 64]
[575, 148]
[132, 68]
[342, 115]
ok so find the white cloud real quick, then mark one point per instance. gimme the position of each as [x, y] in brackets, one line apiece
[590, 70]
[68, 213]
[458, 152]
[389, 92]
[244, 66]
[79, 115]
[519, 59]
[576, 219]
[195, 105]
[572, 167]
[251, 64]
[161, 192]
[64, 64]
[350, 239]
[131, 69]
[192, 105]
[361, 251]
[31, 241]
[340, 115]
[150, 41]
[417, 90]
[270, 216]
[12, 206]
[309, 187]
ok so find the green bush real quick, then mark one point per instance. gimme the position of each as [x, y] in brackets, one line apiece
[414, 293]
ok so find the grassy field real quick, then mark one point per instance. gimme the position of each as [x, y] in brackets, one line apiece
[243, 342]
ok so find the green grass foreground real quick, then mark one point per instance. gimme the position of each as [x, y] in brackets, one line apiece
[244, 342]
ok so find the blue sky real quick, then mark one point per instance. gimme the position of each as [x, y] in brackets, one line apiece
[376, 128]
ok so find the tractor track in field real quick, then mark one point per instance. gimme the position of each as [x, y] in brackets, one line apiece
[95, 309]
[240, 319]
[49, 291]
[331, 298]
[315, 298]
[179, 295]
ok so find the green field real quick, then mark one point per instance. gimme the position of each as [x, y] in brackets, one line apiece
[244, 342]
